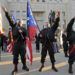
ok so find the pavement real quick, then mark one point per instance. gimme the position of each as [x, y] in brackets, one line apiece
[6, 65]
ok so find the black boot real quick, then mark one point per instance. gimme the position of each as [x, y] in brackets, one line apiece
[15, 70]
[42, 66]
[25, 68]
[70, 69]
[54, 68]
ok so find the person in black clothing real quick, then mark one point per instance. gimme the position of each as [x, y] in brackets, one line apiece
[65, 43]
[46, 37]
[71, 40]
[36, 42]
[1, 40]
[19, 36]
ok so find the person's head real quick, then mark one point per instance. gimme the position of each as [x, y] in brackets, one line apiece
[20, 23]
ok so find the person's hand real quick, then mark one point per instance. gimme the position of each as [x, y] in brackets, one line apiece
[20, 31]
[4, 9]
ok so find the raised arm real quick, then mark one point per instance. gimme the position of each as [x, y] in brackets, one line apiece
[69, 28]
[55, 25]
[8, 17]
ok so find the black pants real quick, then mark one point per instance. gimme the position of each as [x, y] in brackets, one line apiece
[65, 47]
[71, 54]
[19, 49]
[44, 53]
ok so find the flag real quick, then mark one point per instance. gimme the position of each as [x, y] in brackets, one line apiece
[14, 18]
[10, 47]
[31, 22]
[11, 44]
[29, 50]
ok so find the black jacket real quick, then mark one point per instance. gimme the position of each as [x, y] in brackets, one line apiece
[48, 34]
[70, 32]
[15, 30]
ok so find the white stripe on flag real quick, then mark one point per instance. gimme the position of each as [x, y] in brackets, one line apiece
[29, 50]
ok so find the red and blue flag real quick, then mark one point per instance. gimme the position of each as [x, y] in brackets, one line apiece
[31, 22]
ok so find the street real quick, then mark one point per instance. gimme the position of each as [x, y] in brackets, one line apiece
[6, 65]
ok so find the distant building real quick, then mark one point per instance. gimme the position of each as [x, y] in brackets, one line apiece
[41, 10]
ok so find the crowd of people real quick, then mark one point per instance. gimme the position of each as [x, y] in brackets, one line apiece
[18, 34]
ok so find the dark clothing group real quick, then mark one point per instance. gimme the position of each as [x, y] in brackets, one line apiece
[46, 37]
